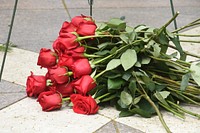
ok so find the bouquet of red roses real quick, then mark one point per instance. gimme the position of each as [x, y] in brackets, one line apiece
[128, 67]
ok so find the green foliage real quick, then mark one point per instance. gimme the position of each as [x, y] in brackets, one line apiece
[137, 76]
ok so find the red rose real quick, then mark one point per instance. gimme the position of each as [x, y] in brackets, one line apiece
[85, 25]
[84, 84]
[58, 75]
[67, 27]
[66, 41]
[80, 19]
[58, 47]
[66, 60]
[35, 84]
[81, 67]
[46, 58]
[86, 29]
[65, 89]
[84, 104]
[50, 100]
[76, 52]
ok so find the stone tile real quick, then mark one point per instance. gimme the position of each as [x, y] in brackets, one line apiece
[10, 93]
[18, 65]
[27, 116]
[109, 112]
[116, 127]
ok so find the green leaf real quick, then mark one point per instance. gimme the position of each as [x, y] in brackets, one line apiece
[101, 26]
[185, 81]
[138, 64]
[126, 113]
[178, 46]
[113, 64]
[116, 23]
[140, 28]
[122, 105]
[128, 37]
[115, 84]
[145, 60]
[196, 72]
[162, 38]
[137, 99]
[128, 59]
[132, 87]
[124, 37]
[161, 96]
[126, 76]
[156, 50]
[126, 98]
[141, 112]
[145, 105]
[170, 34]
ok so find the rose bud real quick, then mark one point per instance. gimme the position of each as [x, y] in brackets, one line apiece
[81, 67]
[76, 53]
[58, 75]
[68, 40]
[50, 100]
[84, 84]
[46, 58]
[58, 47]
[80, 19]
[67, 27]
[35, 84]
[86, 29]
[65, 41]
[66, 60]
[84, 104]
[65, 89]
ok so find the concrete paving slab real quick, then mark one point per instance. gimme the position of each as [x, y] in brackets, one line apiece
[18, 65]
[10, 93]
[116, 127]
[26, 116]
[37, 24]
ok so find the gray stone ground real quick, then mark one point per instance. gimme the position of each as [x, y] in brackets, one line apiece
[37, 24]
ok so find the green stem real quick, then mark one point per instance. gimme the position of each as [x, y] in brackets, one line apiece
[187, 53]
[189, 99]
[173, 111]
[187, 35]
[109, 56]
[99, 74]
[90, 47]
[69, 73]
[90, 55]
[144, 94]
[186, 26]
[158, 112]
[170, 61]
[168, 23]
[186, 93]
[169, 81]
[78, 39]
[184, 110]
[192, 41]
[66, 99]
[102, 96]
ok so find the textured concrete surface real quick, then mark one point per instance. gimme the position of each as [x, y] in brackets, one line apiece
[37, 24]
[10, 93]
